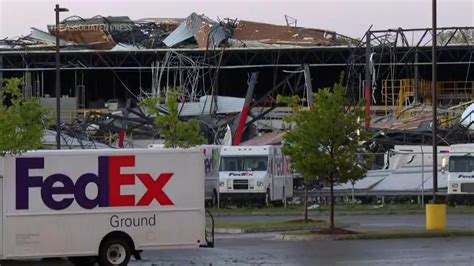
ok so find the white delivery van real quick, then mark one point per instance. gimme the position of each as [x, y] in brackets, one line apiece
[257, 173]
[104, 204]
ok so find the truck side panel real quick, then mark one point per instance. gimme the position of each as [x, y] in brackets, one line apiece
[171, 213]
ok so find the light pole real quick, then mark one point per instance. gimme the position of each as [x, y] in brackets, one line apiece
[435, 104]
[58, 89]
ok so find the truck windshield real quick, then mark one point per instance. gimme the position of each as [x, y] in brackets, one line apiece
[461, 164]
[244, 163]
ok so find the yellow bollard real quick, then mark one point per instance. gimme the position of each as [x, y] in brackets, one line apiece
[435, 216]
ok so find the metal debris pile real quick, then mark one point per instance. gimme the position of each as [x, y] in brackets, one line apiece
[195, 31]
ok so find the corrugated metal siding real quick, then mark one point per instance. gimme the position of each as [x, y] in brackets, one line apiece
[206, 32]
[180, 34]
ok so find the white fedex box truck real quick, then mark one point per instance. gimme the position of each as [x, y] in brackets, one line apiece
[256, 173]
[101, 204]
[460, 166]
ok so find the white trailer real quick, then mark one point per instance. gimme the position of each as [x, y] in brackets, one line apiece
[255, 173]
[460, 166]
[101, 204]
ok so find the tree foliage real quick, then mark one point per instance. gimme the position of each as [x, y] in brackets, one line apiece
[22, 122]
[325, 142]
[177, 133]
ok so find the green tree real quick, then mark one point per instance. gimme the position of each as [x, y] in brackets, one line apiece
[325, 141]
[177, 133]
[22, 122]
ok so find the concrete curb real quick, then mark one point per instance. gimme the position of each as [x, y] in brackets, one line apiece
[302, 237]
[265, 230]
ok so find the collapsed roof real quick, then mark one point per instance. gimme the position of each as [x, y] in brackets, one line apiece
[195, 31]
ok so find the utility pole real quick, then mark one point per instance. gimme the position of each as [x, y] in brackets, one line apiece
[309, 85]
[435, 105]
[367, 88]
[57, 10]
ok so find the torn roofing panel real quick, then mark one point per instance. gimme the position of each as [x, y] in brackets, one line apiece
[210, 36]
[93, 35]
[180, 34]
[176, 21]
[206, 105]
[278, 34]
[45, 37]
[205, 31]
[270, 138]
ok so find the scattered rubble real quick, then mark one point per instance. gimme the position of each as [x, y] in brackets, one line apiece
[195, 31]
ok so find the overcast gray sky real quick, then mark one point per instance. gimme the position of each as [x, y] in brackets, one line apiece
[350, 17]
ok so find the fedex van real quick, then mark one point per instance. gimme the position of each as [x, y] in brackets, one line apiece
[105, 205]
[460, 166]
[255, 173]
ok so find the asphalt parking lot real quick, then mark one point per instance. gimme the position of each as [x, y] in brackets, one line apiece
[266, 249]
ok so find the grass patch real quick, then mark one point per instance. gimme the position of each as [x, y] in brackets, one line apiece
[407, 233]
[250, 210]
[341, 209]
[272, 225]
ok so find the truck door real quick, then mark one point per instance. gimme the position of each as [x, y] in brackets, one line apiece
[274, 172]
[270, 175]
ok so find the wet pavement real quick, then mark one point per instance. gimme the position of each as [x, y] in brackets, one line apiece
[268, 251]
[265, 249]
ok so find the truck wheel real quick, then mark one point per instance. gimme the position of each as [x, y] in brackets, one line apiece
[114, 251]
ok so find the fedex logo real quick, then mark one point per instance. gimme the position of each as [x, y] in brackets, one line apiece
[240, 174]
[108, 180]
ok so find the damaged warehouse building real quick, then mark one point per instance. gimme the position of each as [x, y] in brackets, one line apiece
[109, 63]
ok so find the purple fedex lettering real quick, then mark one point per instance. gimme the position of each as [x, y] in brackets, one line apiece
[108, 180]
[49, 190]
[24, 181]
[102, 183]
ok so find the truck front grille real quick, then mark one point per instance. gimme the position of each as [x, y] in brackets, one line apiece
[241, 184]
[467, 187]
